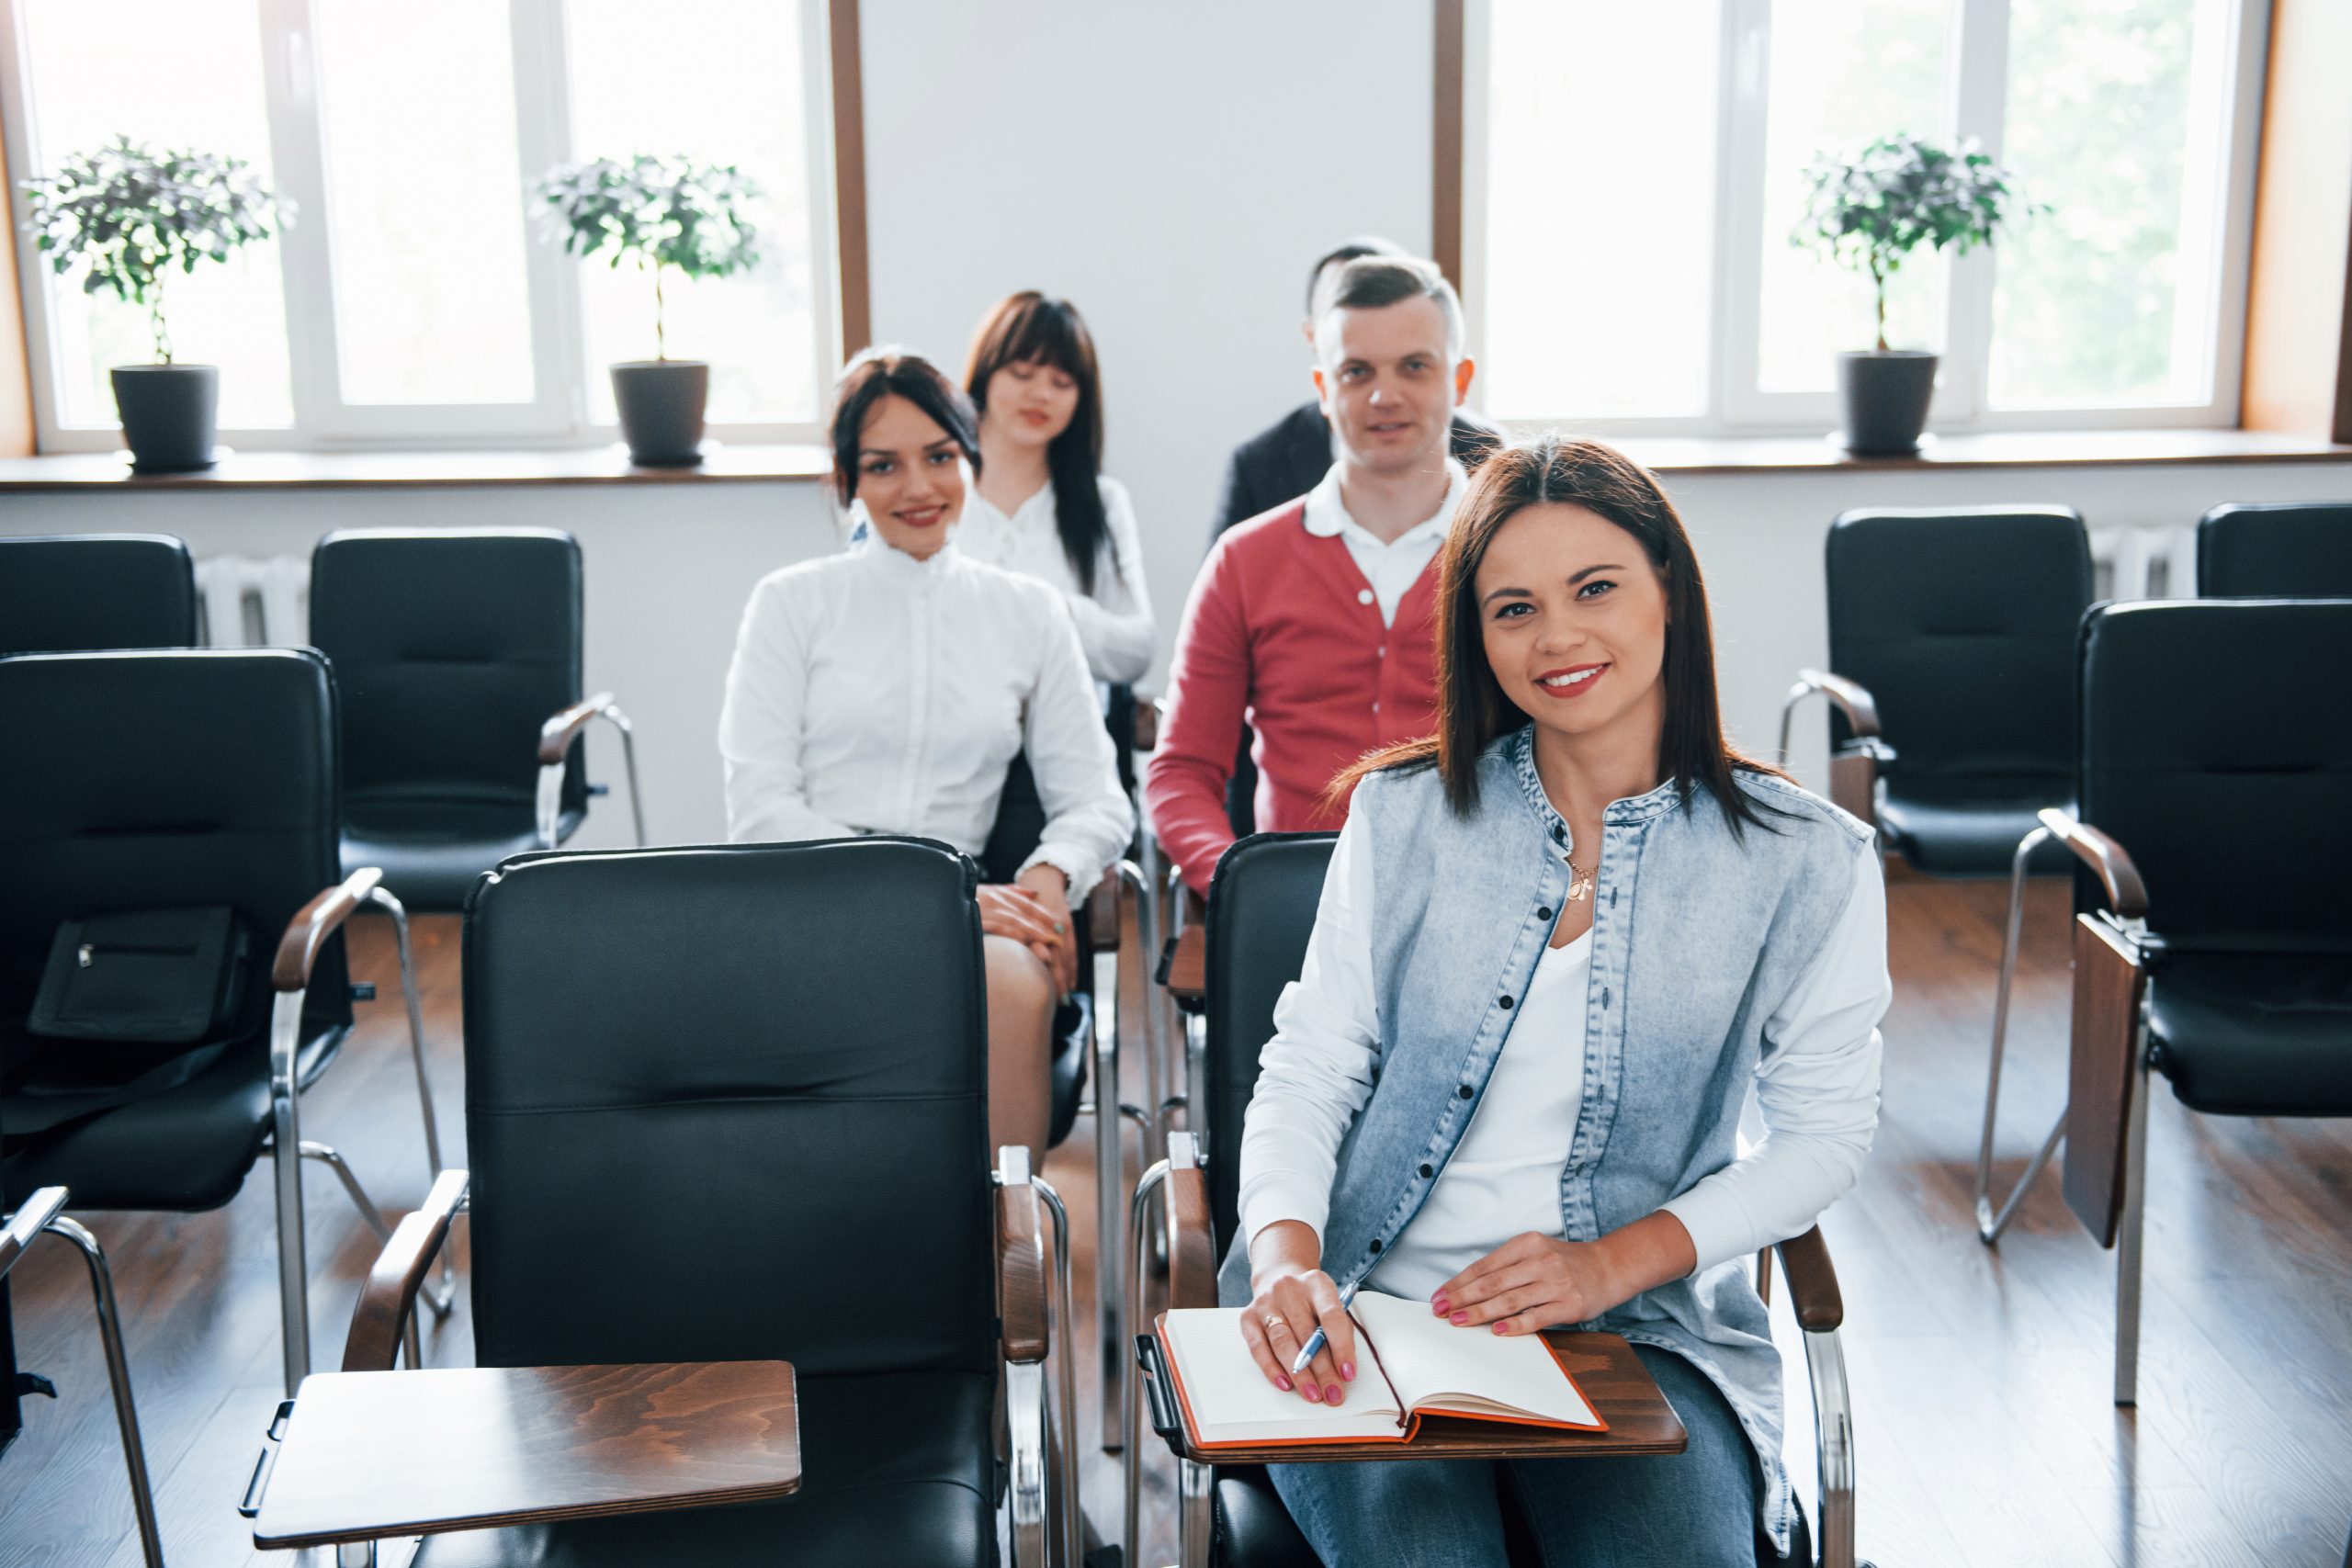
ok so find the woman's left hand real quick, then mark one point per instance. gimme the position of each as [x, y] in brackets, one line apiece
[1050, 889]
[1528, 1283]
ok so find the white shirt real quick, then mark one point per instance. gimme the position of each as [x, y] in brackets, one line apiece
[1114, 624]
[1390, 566]
[871, 693]
[1816, 1085]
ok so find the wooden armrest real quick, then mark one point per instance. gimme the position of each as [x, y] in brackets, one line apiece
[389, 1294]
[319, 918]
[563, 727]
[1852, 698]
[1812, 1282]
[30, 1219]
[1102, 915]
[2125, 894]
[1192, 1249]
[1021, 1268]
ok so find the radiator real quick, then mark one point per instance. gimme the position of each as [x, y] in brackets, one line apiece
[254, 601]
[2144, 563]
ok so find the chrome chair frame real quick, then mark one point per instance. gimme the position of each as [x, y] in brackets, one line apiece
[42, 1213]
[555, 737]
[1854, 769]
[2127, 918]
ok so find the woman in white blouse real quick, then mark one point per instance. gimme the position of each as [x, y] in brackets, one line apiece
[886, 690]
[1043, 507]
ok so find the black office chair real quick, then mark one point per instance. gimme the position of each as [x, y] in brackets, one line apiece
[169, 780]
[1261, 917]
[1950, 685]
[2298, 550]
[43, 1213]
[2213, 942]
[458, 654]
[79, 593]
[706, 1097]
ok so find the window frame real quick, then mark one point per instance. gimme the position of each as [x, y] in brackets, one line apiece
[557, 415]
[1736, 406]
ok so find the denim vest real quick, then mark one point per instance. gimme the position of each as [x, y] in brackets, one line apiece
[1698, 937]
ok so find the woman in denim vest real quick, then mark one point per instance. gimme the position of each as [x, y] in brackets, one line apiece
[1558, 942]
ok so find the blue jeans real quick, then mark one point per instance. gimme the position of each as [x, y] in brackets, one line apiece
[1695, 1509]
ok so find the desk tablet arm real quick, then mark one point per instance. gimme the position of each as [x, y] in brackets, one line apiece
[385, 1318]
[556, 738]
[1855, 767]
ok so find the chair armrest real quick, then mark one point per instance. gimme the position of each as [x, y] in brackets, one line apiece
[2125, 894]
[1812, 1282]
[319, 918]
[563, 727]
[1150, 711]
[1102, 915]
[1021, 1259]
[30, 1219]
[1852, 698]
[389, 1296]
[1192, 1248]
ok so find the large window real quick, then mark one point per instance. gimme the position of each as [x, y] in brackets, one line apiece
[416, 297]
[1633, 174]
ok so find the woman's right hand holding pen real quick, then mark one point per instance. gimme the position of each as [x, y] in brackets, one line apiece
[1290, 1297]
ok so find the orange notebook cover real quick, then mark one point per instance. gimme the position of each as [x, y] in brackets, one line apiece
[1410, 1364]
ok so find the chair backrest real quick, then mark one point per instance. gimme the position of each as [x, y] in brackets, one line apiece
[2290, 550]
[450, 648]
[79, 593]
[731, 1103]
[1962, 624]
[2217, 748]
[1261, 912]
[167, 780]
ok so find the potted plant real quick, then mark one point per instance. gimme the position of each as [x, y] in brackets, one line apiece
[659, 213]
[1868, 210]
[132, 217]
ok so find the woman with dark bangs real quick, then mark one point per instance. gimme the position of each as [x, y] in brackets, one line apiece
[1043, 507]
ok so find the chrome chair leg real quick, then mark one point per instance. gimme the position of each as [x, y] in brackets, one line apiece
[1062, 1438]
[1990, 1225]
[443, 1298]
[286, 1160]
[2129, 1231]
[1833, 1418]
[125, 1413]
[1195, 1523]
[1138, 1227]
[329, 1156]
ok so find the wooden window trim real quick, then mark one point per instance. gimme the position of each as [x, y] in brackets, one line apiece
[848, 176]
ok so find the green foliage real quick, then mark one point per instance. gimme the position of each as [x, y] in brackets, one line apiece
[132, 215]
[1870, 209]
[658, 213]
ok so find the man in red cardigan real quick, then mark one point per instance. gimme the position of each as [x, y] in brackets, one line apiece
[1313, 623]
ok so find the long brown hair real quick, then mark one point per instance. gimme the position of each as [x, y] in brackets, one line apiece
[1472, 709]
[1030, 327]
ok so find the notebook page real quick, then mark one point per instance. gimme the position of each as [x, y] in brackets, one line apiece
[1428, 1358]
[1231, 1402]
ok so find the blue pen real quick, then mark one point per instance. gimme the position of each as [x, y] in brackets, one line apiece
[1316, 1340]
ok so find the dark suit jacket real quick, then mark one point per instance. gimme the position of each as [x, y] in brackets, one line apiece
[1291, 455]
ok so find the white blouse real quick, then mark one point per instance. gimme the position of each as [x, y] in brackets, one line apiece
[872, 692]
[1816, 1086]
[1115, 624]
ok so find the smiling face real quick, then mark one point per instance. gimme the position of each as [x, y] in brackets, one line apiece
[1573, 619]
[1029, 402]
[1387, 384]
[910, 475]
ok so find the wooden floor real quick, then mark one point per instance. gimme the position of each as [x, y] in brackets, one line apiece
[1984, 1431]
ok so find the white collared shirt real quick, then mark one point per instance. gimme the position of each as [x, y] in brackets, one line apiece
[1115, 624]
[1816, 1087]
[872, 692]
[1393, 567]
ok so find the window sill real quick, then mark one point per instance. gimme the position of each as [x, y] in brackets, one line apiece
[499, 468]
[1991, 449]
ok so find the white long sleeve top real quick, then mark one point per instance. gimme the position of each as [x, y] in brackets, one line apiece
[1816, 1087]
[872, 692]
[1114, 623]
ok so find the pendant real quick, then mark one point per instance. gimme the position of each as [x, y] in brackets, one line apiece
[1580, 884]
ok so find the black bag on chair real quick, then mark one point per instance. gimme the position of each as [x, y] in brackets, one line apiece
[157, 977]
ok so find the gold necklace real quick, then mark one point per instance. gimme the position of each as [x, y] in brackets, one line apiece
[1580, 880]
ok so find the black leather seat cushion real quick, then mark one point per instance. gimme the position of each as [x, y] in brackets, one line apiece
[2254, 1034]
[77, 592]
[1970, 826]
[2300, 549]
[1253, 1529]
[432, 853]
[897, 1470]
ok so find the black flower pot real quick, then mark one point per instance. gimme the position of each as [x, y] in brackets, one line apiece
[660, 401]
[1885, 395]
[167, 414]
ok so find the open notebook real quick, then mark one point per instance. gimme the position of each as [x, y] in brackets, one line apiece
[1411, 1363]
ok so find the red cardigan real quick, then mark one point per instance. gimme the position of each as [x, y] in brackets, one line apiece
[1283, 631]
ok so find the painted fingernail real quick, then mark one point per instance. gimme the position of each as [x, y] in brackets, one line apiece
[1283, 1384]
[1461, 1317]
[1502, 1328]
[1331, 1395]
[1440, 1306]
[1313, 1394]
[1348, 1370]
